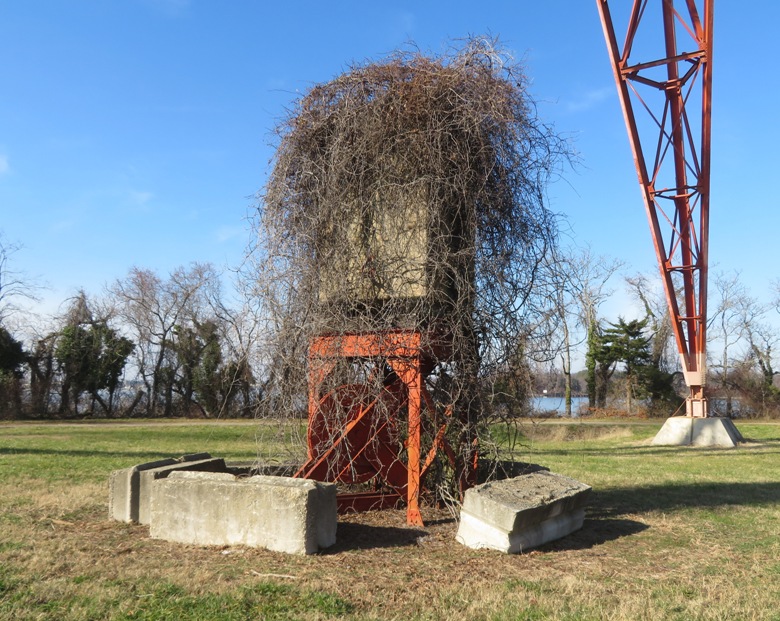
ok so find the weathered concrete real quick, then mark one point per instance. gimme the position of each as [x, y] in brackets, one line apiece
[688, 431]
[148, 477]
[476, 533]
[525, 512]
[123, 486]
[130, 488]
[283, 514]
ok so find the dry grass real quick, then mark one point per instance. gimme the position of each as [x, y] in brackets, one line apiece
[670, 534]
[547, 431]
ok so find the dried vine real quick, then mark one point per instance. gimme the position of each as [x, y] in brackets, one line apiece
[410, 193]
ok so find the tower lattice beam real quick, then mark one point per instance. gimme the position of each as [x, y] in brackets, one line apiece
[663, 75]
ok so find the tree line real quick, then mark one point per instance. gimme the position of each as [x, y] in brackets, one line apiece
[177, 345]
[150, 346]
[632, 364]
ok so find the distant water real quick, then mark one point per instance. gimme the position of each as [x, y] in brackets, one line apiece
[543, 405]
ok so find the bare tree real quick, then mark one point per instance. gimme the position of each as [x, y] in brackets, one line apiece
[762, 339]
[590, 277]
[564, 276]
[244, 330]
[581, 288]
[15, 285]
[660, 376]
[726, 327]
[152, 308]
[663, 352]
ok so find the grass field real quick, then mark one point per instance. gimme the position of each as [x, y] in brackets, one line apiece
[670, 533]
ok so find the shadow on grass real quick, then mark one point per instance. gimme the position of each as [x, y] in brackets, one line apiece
[352, 536]
[595, 532]
[136, 456]
[605, 521]
[651, 451]
[668, 497]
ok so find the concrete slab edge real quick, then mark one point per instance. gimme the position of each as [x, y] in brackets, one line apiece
[718, 432]
[475, 533]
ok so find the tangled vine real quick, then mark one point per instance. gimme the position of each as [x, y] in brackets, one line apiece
[409, 193]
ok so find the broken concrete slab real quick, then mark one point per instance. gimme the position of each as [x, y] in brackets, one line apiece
[129, 488]
[688, 431]
[297, 516]
[521, 513]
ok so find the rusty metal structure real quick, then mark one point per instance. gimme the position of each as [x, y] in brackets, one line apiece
[671, 148]
[374, 427]
[390, 437]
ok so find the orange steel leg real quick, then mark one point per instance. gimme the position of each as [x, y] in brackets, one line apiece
[411, 375]
[407, 356]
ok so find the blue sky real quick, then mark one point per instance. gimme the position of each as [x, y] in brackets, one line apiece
[136, 132]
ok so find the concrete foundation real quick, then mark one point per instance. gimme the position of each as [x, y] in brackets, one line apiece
[283, 514]
[515, 515]
[688, 431]
[129, 489]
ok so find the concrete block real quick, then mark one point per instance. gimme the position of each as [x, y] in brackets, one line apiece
[297, 516]
[476, 533]
[123, 489]
[147, 477]
[525, 512]
[688, 431]
[128, 495]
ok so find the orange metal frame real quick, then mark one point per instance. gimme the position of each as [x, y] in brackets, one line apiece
[372, 451]
[676, 184]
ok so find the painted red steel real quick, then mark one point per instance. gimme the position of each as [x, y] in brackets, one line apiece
[671, 148]
[357, 436]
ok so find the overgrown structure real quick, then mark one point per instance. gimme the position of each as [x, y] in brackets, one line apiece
[406, 200]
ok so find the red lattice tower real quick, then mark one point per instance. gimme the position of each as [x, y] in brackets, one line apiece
[671, 148]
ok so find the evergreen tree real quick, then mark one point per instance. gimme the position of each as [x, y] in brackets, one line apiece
[12, 357]
[591, 361]
[92, 358]
[626, 343]
[200, 375]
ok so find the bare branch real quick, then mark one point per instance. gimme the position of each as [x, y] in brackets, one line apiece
[14, 284]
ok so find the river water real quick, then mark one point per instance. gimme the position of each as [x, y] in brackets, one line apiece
[545, 405]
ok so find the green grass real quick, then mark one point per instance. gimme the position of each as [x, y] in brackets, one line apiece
[670, 533]
[64, 452]
[167, 601]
